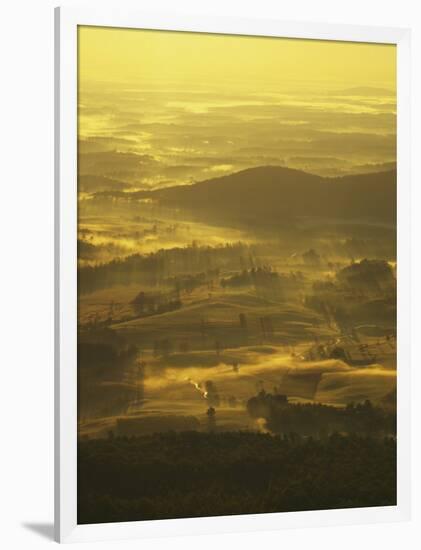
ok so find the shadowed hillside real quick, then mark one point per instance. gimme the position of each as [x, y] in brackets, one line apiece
[266, 194]
[190, 474]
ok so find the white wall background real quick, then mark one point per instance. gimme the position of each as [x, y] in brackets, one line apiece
[26, 300]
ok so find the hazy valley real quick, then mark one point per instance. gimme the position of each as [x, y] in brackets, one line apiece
[282, 298]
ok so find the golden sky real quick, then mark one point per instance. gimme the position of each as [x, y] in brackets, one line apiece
[131, 55]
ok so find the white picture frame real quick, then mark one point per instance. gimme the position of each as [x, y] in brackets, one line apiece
[67, 21]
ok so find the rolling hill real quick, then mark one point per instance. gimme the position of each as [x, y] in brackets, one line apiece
[274, 193]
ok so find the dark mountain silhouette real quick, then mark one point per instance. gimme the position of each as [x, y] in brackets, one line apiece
[274, 193]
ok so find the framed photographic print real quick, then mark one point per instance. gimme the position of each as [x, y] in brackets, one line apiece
[232, 274]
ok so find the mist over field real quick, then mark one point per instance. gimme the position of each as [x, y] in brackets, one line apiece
[246, 298]
[236, 272]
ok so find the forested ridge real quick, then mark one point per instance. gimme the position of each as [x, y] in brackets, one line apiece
[192, 474]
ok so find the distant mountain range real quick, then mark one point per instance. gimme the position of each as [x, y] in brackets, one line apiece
[272, 193]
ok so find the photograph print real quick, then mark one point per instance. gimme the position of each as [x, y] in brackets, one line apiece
[236, 275]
